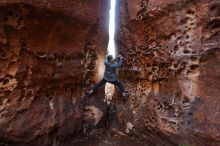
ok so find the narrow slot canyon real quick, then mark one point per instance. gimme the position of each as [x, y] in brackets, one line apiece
[52, 51]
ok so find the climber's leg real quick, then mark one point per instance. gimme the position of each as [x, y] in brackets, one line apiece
[98, 85]
[119, 84]
[121, 87]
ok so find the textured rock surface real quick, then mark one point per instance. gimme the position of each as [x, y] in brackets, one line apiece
[48, 51]
[171, 51]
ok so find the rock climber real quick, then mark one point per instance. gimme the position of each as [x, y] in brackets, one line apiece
[110, 75]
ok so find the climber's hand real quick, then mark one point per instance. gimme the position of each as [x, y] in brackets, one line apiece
[120, 56]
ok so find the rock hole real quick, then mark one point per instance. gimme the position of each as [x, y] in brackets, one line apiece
[146, 122]
[5, 81]
[190, 113]
[187, 42]
[186, 51]
[164, 121]
[194, 66]
[10, 13]
[189, 123]
[179, 38]
[20, 18]
[218, 13]
[190, 12]
[18, 15]
[193, 58]
[213, 7]
[175, 47]
[216, 24]
[175, 65]
[186, 99]
[5, 18]
[172, 122]
[183, 21]
[3, 54]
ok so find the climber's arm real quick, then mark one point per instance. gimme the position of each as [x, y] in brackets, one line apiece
[118, 64]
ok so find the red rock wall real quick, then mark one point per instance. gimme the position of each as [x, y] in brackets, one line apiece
[48, 52]
[171, 69]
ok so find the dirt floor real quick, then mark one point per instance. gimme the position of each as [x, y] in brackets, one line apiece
[109, 138]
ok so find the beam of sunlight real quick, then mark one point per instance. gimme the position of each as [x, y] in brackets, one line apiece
[111, 43]
[109, 88]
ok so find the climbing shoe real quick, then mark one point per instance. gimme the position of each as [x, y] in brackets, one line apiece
[125, 94]
[89, 93]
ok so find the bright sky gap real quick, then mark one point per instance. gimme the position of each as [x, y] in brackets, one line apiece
[111, 43]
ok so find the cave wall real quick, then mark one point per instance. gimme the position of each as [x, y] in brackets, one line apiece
[171, 69]
[48, 53]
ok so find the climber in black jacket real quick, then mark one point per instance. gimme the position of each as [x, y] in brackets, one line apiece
[110, 75]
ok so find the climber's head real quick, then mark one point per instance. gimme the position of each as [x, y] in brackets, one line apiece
[110, 58]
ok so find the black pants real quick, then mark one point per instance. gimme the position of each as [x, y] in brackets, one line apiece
[103, 81]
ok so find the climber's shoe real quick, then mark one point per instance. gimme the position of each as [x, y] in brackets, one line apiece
[89, 93]
[125, 94]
